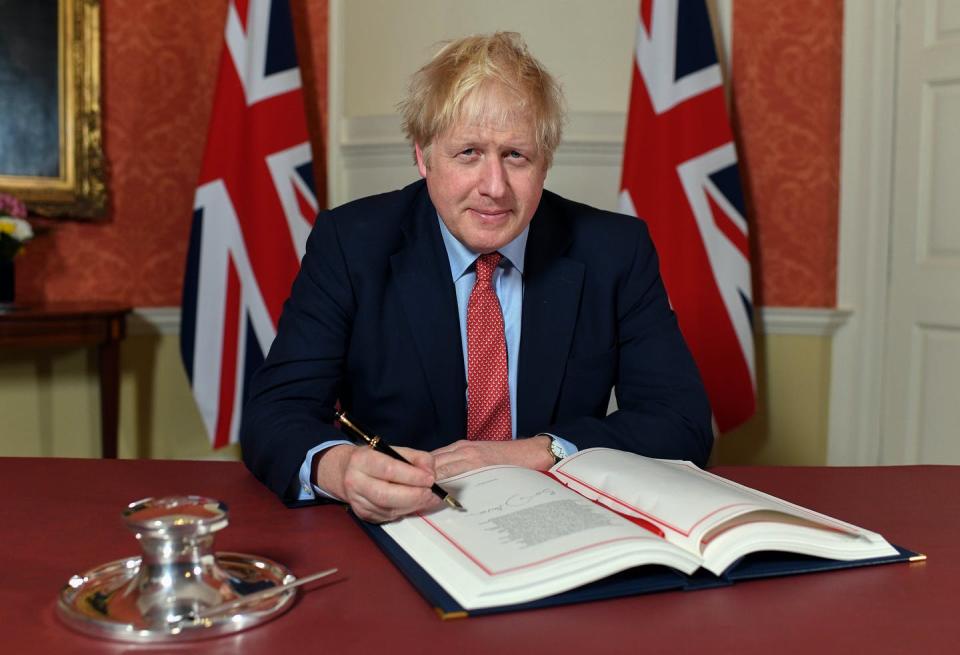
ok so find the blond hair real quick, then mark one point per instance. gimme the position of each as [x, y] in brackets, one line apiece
[488, 78]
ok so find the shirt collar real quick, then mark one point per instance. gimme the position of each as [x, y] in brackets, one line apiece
[462, 258]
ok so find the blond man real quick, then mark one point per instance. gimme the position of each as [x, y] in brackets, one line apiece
[471, 318]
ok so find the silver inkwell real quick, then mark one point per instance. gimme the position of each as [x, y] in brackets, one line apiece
[179, 589]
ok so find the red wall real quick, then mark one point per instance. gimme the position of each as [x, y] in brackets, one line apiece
[787, 96]
[160, 59]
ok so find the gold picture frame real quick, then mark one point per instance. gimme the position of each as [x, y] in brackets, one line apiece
[72, 181]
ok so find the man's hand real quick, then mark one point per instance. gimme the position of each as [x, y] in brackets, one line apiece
[463, 455]
[377, 487]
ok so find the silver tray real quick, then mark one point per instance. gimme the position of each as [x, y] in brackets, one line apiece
[102, 601]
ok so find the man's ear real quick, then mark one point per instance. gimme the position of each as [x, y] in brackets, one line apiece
[421, 160]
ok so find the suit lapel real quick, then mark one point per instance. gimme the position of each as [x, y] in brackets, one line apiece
[422, 274]
[551, 296]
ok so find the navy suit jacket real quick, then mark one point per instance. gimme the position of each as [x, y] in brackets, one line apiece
[372, 322]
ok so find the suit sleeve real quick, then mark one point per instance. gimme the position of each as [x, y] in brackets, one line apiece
[291, 402]
[663, 409]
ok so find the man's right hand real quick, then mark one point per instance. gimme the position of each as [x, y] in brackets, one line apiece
[377, 487]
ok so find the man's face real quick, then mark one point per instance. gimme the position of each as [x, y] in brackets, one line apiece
[485, 181]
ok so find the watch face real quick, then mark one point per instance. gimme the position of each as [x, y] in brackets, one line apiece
[557, 449]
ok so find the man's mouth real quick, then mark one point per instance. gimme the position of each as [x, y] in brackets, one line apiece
[490, 214]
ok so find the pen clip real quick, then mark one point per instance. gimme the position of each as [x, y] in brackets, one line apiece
[355, 429]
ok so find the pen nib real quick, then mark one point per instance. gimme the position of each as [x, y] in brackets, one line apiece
[452, 502]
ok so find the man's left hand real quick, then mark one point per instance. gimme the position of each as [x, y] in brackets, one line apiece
[464, 455]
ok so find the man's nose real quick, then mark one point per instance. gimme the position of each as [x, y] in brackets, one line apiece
[493, 181]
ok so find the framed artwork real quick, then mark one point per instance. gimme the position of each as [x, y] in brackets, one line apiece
[51, 141]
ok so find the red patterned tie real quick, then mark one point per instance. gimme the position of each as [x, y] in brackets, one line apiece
[488, 390]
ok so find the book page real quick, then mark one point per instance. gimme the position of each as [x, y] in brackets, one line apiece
[523, 536]
[684, 500]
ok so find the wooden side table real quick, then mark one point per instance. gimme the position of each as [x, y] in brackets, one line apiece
[88, 324]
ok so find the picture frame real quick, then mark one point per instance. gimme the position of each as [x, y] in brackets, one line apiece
[51, 138]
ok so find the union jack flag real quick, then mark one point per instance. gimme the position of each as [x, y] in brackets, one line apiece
[254, 206]
[680, 174]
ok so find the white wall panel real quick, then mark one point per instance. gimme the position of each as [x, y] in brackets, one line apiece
[940, 201]
[934, 395]
[945, 21]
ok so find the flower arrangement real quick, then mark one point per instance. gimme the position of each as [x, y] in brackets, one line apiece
[14, 229]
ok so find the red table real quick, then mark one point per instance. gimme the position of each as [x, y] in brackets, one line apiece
[62, 516]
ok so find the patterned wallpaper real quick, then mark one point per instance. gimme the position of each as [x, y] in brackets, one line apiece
[160, 59]
[787, 98]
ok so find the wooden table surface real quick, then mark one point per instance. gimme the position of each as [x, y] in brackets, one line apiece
[62, 516]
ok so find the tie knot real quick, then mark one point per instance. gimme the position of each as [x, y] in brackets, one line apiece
[486, 264]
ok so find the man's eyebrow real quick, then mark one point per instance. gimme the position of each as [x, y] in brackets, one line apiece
[473, 141]
[457, 142]
[521, 146]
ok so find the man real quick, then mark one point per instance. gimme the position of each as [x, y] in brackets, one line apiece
[387, 316]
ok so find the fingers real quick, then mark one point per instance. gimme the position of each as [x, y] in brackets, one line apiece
[378, 504]
[380, 488]
[462, 456]
[419, 471]
[452, 447]
[418, 458]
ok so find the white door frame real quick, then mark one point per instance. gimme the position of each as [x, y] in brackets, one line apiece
[866, 174]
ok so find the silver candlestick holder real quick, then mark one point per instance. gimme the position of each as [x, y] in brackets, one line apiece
[174, 589]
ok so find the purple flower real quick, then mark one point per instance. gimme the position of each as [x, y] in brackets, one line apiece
[10, 206]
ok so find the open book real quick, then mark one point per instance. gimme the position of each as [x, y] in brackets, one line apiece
[526, 535]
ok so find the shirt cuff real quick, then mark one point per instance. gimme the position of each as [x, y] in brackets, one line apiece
[568, 447]
[308, 490]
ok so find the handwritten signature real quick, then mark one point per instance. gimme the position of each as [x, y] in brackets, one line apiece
[516, 501]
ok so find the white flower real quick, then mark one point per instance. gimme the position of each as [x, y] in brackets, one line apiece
[18, 228]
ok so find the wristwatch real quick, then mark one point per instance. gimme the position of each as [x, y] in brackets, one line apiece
[556, 448]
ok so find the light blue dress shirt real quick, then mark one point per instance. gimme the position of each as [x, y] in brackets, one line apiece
[508, 285]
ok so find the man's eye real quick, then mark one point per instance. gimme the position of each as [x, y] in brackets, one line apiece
[515, 155]
[468, 152]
